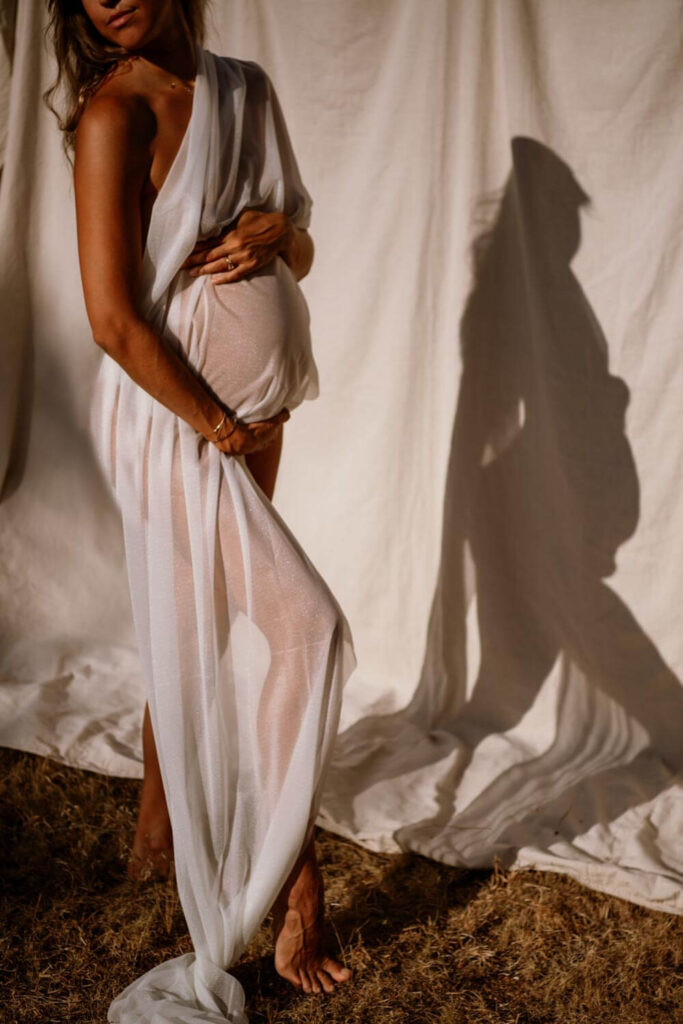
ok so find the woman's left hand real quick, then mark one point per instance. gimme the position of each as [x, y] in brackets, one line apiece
[256, 239]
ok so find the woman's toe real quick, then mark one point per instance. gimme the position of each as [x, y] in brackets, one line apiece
[337, 971]
[305, 981]
[325, 980]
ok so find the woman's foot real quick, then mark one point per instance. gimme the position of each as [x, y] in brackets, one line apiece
[299, 927]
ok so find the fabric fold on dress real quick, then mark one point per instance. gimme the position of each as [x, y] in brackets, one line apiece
[244, 648]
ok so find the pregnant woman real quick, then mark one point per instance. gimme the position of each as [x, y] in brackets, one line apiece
[191, 229]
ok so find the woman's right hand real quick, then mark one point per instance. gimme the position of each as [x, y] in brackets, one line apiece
[252, 437]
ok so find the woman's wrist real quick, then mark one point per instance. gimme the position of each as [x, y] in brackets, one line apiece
[226, 426]
[216, 422]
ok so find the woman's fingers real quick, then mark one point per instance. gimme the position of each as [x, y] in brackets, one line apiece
[264, 432]
[212, 250]
[199, 252]
[220, 272]
[216, 259]
[263, 438]
[281, 417]
[243, 444]
[253, 436]
[258, 235]
[232, 259]
[217, 263]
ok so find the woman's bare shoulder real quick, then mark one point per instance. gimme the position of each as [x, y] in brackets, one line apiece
[118, 109]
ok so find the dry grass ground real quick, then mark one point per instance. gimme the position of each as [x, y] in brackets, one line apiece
[429, 944]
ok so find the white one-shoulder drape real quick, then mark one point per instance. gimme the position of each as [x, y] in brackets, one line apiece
[244, 648]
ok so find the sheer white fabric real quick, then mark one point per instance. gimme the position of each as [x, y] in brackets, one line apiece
[245, 649]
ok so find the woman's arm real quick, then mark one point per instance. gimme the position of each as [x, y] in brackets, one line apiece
[112, 161]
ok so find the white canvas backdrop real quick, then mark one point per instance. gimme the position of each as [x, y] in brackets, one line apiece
[491, 480]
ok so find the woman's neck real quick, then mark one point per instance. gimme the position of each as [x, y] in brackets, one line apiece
[172, 52]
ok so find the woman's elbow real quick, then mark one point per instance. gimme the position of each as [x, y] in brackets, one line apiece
[112, 333]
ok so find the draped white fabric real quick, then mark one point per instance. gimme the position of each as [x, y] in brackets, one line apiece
[488, 481]
[243, 646]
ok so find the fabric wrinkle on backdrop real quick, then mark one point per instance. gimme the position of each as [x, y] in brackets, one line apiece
[489, 478]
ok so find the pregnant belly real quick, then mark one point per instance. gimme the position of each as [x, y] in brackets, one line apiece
[250, 340]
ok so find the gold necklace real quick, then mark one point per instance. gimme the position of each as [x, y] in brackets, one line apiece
[174, 82]
[189, 88]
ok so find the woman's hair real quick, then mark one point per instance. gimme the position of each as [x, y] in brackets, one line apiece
[85, 58]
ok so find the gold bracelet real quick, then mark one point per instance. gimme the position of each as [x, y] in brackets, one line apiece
[226, 416]
[218, 426]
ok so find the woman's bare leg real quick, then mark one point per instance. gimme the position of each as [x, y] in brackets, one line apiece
[299, 910]
[152, 853]
[299, 928]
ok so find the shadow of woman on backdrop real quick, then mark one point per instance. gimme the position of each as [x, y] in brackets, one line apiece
[541, 492]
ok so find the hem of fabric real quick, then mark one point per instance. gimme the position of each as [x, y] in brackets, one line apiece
[604, 878]
[118, 767]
